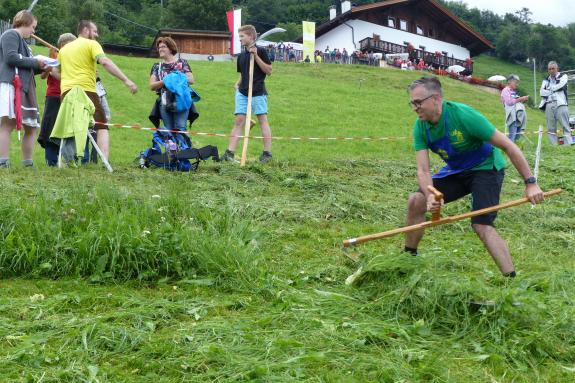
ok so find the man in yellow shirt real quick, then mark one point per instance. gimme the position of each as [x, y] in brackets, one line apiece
[78, 61]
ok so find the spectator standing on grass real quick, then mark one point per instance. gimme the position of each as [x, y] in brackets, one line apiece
[345, 56]
[170, 65]
[554, 101]
[471, 147]
[262, 68]
[78, 61]
[52, 106]
[16, 59]
[515, 116]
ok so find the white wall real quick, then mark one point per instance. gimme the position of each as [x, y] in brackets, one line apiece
[341, 37]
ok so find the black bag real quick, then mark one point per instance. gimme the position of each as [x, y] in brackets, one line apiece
[168, 100]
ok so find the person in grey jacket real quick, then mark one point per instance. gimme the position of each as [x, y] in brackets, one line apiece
[554, 101]
[16, 58]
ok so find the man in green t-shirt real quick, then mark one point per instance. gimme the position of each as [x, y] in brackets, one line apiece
[472, 150]
[78, 61]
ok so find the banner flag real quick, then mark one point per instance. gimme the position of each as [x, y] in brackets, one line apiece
[234, 23]
[308, 40]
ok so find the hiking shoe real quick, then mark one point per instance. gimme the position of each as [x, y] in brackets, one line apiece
[265, 157]
[228, 157]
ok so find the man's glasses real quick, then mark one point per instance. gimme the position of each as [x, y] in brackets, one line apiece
[416, 104]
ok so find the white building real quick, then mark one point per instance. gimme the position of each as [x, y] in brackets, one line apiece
[389, 26]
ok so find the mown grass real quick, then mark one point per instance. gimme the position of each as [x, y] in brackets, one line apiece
[233, 274]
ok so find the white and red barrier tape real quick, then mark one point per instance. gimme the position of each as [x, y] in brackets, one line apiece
[139, 127]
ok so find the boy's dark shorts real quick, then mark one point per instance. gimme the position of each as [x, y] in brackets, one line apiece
[483, 185]
[99, 114]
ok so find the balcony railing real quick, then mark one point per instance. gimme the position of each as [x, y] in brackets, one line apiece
[439, 62]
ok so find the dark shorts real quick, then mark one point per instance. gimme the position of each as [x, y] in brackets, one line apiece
[99, 114]
[483, 185]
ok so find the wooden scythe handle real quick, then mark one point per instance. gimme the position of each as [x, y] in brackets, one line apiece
[436, 215]
[248, 113]
[419, 226]
[44, 42]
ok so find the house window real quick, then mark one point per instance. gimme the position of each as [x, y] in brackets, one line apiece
[403, 25]
[419, 30]
[391, 22]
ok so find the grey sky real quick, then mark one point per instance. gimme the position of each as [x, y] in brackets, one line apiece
[556, 12]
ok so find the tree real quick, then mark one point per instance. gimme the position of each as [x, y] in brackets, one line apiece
[199, 14]
[511, 44]
[570, 32]
[524, 15]
[548, 43]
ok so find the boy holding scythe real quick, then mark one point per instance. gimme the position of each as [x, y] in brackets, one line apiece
[261, 69]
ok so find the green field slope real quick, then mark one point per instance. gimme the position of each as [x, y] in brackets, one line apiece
[236, 274]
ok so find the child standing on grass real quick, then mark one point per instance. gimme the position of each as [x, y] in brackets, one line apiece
[52, 106]
[262, 68]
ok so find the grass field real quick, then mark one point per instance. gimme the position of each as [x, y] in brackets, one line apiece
[236, 274]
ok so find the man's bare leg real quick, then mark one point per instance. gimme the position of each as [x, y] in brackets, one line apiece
[103, 141]
[496, 246]
[416, 209]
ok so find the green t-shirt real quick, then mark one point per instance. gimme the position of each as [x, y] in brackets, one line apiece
[468, 130]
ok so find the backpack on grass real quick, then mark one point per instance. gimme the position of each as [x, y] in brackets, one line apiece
[174, 152]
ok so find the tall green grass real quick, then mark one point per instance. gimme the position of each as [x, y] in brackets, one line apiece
[236, 274]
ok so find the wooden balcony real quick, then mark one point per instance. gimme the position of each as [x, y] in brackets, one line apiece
[442, 62]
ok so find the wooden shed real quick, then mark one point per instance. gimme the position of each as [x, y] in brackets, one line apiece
[196, 42]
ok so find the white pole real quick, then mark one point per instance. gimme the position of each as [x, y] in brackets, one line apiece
[31, 7]
[538, 153]
[537, 157]
[60, 153]
[104, 159]
[534, 83]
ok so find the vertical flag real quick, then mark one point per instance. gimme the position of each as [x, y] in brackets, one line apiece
[234, 23]
[308, 40]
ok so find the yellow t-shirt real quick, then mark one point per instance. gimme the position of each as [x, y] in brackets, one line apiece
[78, 61]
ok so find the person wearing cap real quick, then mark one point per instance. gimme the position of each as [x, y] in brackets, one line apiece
[554, 102]
[515, 116]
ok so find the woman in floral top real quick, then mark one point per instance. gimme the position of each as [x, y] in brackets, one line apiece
[167, 50]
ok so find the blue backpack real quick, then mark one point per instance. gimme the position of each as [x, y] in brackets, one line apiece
[173, 151]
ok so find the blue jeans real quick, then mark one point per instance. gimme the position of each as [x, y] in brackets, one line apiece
[174, 121]
[515, 131]
[90, 157]
[51, 154]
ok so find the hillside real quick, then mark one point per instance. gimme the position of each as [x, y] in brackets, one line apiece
[236, 274]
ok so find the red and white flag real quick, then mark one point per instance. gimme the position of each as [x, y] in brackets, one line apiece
[234, 23]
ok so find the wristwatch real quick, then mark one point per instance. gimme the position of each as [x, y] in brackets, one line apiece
[530, 180]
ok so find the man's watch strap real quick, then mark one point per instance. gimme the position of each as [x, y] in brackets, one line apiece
[531, 180]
